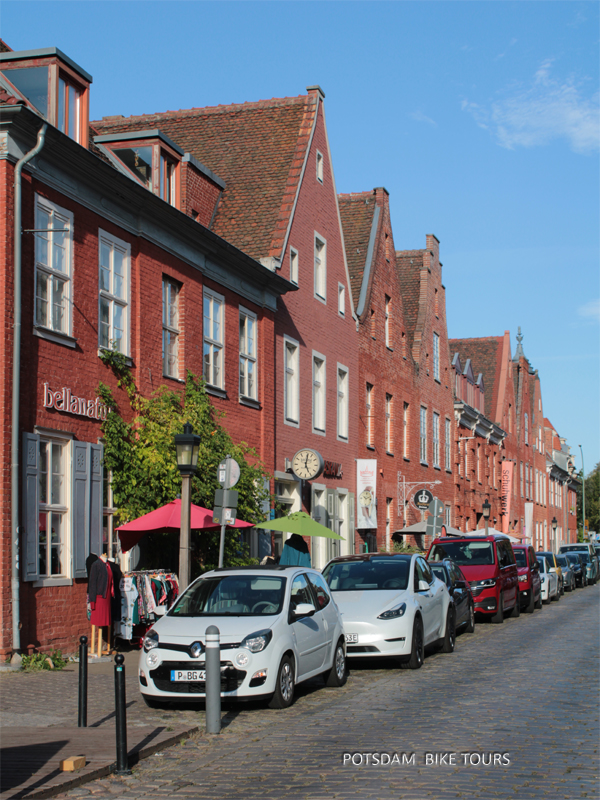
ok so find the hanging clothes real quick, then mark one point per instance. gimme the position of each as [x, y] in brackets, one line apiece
[141, 592]
[101, 578]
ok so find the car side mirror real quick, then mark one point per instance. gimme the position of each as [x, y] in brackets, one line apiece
[304, 610]
[552, 569]
[423, 586]
[460, 584]
[160, 611]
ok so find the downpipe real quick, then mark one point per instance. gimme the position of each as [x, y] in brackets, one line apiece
[16, 393]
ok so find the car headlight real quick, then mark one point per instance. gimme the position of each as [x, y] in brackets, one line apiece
[150, 641]
[522, 578]
[394, 613]
[256, 642]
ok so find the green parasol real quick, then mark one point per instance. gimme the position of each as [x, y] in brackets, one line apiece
[299, 522]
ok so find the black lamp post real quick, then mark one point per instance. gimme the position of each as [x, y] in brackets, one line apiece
[485, 510]
[554, 524]
[187, 445]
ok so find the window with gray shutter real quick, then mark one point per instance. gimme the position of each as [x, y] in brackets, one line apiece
[30, 513]
[87, 504]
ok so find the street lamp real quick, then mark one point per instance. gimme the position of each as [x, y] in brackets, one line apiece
[582, 491]
[554, 524]
[485, 509]
[187, 445]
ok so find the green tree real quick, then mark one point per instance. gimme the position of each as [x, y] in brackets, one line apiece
[592, 499]
[142, 458]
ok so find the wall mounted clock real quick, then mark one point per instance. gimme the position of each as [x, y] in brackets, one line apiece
[307, 464]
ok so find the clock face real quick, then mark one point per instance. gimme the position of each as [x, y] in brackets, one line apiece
[307, 464]
[365, 497]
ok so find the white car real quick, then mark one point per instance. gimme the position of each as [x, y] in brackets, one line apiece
[549, 581]
[278, 626]
[392, 605]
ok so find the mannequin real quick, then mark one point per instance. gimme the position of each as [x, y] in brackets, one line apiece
[101, 591]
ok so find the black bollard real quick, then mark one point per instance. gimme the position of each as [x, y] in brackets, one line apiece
[121, 716]
[83, 682]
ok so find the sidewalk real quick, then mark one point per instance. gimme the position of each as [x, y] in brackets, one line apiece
[38, 727]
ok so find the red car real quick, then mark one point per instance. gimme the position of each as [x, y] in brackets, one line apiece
[488, 563]
[530, 585]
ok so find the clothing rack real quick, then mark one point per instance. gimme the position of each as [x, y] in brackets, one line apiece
[141, 592]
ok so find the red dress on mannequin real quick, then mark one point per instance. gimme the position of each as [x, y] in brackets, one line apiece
[100, 615]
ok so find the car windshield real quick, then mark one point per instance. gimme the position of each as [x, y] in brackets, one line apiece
[585, 557]
[232, 595]
[520, 557]
[562, 561]
[351, 576]
[573, 558]
[466, 554]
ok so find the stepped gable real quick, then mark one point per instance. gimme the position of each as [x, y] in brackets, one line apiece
[258, 149]
[409, 264]
[485, 355]
[356, 212]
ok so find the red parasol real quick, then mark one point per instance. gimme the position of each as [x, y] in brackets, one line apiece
[168, 517]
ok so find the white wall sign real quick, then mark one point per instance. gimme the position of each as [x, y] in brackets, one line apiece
[63, 400]
[366, 489]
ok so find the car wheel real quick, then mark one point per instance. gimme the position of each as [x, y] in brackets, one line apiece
[531, 604]
[449, 640]
[498, 617]
[284, 686]
[153, 702]
[516, 609]
[418, 646]
[470, 626]
[556, 596]
[338, 674]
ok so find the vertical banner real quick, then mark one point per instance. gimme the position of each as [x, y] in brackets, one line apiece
[366, 489]
[507, 482]
[528, 524]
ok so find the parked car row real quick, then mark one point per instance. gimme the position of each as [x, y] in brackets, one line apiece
[281, 625]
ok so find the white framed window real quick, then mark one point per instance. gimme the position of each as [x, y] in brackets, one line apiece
[248, 354]
[53, 510]
[167, 179]
[521, 478]
[436, 356]
[423, 435]
[170, 322]
[526, 428]
[214, 338]
[448, 515]
[388, 423]
[479, 463]
[388, 522]
[447, 446]
[342, 402]
[388, 314]
[113, 293]
[53, 266]
[369, 411]
[436, 440]
[291, 401]
[294, 266]
[319, 166]
[341, 300]
[320, 268]
[405, 426]
[318, 392]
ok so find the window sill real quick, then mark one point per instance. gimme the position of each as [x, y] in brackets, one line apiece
[55, 336]
[370, 447]
[321, 299]
[128, 359]
[45, 582]
[215, 391]
[249, 401]
[342, 439]
[391, 349]
[389, 453]
[173, 378]
[438, 381]
[407, 459]
[449, 471]
[424, 463]
[318, 432]
[438, 468]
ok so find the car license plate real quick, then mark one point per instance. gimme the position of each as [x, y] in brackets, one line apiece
[351, 637]
[188, 675]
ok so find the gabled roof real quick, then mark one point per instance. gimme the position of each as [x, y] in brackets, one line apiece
[258, 149]
[356, 213]
[485, 355]
[409, 264]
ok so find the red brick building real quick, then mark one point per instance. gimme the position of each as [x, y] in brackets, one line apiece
[279, 205]
[115, 251]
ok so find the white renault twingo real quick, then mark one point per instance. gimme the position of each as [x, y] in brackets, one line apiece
[278, 627]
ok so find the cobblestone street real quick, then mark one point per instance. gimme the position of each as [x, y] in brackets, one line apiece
[527, 689]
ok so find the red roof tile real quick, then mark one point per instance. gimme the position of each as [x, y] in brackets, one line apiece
[409, 264]
[258, 149]
[485, 355]
[356, 212]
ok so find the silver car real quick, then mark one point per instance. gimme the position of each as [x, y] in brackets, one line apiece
[569, 582]
[278, 626]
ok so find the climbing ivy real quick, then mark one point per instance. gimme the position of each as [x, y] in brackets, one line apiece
[142, 459]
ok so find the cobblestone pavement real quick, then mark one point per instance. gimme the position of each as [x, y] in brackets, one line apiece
[526, 689]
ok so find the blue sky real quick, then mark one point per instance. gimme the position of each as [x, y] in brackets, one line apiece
[480, 118]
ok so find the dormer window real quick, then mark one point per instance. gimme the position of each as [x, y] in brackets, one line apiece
[54, 86]
[149, 156]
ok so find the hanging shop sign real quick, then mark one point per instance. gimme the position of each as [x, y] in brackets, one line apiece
[64, 400]
[366, 488]
[423, 498]
[506, 497]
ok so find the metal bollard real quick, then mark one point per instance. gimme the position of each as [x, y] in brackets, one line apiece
[83, 682]
[121, 716]
[213, 680]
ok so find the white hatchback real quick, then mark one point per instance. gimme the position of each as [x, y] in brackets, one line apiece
[392, 605]
[278, 626]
